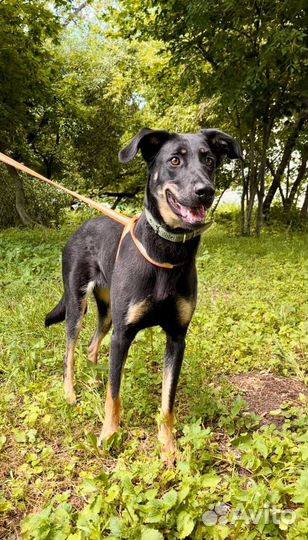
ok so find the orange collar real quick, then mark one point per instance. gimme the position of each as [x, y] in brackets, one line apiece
[130, 228]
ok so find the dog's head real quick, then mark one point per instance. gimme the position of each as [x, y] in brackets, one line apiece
[181, 184]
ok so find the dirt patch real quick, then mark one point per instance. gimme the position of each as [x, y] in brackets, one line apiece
[265, 393]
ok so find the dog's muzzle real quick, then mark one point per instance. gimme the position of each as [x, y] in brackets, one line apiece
[192, 215]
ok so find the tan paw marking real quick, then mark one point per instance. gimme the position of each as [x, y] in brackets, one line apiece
[168, 453]
[70, 396]
[93, 353]
[106, 433]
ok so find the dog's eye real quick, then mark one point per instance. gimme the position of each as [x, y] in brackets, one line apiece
[209, 162]
[175, 161]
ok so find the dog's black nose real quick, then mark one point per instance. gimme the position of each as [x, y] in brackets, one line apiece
[204, 190]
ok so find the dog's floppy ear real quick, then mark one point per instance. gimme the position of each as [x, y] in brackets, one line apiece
[223, 144]
[149, 141]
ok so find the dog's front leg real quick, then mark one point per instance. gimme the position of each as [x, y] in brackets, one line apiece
[120, 344]
[173, 363]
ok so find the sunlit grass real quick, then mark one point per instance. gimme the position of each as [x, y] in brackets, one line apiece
[250, 318]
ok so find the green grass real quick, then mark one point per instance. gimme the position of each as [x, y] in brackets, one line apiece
[56, 484]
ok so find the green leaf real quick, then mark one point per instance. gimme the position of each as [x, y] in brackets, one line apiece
[20, 436]
[150, 534]
[185, 524]
[115, 525]
[210, 480]
[170, 498]
[5, 505]
[300, 491]
[222, 532]
[304, 452]
[89, 486]
[182, 494]
[261, 447]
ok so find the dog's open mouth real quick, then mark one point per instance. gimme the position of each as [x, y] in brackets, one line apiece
[193, 215]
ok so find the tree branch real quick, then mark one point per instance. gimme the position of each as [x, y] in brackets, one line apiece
[74, 13]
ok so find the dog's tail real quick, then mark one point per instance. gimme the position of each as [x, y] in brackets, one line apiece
[57, 314]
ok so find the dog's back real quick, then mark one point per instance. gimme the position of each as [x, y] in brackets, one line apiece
[95, 243]
[88, 256]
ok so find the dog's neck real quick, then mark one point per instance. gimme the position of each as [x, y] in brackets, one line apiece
[177, 237]
[162, 249]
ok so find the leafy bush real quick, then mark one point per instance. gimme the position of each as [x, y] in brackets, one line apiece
[43, 204]
[283, 219]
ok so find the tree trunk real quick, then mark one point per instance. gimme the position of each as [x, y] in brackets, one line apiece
[251, 182]
[261, 176]
[243, 199]
[251, 203]
[259, 221]
[48, 164]
[20, 199]
[300, 175]
[304, 209]
[244, 180]
[296, 128]
[218, 201]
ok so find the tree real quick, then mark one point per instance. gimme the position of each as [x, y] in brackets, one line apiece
[288, 146]
[250, 56]
[25, 73]
[62, 110]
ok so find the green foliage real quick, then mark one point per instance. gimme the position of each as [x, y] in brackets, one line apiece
[26, 28]
[232, 49]
[60, 485]
[79, 82]
[295, 219]
[75, 102]
[45, 205]
[245, 67]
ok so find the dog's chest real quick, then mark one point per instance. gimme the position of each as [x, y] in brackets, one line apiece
[167, 301]
[146, 297]
[151, 312]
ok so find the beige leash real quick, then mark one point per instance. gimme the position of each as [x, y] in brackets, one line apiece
[129, 223]
[113, 214]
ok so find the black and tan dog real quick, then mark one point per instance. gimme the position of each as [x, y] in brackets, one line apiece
[130, 292]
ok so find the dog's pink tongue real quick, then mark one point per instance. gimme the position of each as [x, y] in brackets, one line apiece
[192, 215]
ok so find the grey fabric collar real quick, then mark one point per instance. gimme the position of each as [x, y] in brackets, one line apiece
[174, 237]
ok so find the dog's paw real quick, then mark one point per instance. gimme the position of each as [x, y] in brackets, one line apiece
[106, 435]
[168, 450]
[70, 397]
[168, 454]
[93, 355]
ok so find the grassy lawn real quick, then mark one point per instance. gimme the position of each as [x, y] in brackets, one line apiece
[239, 475]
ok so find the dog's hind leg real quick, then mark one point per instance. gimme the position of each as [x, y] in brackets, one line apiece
[69, 391]
[75, 310]
[173, 362]
[102, 298]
